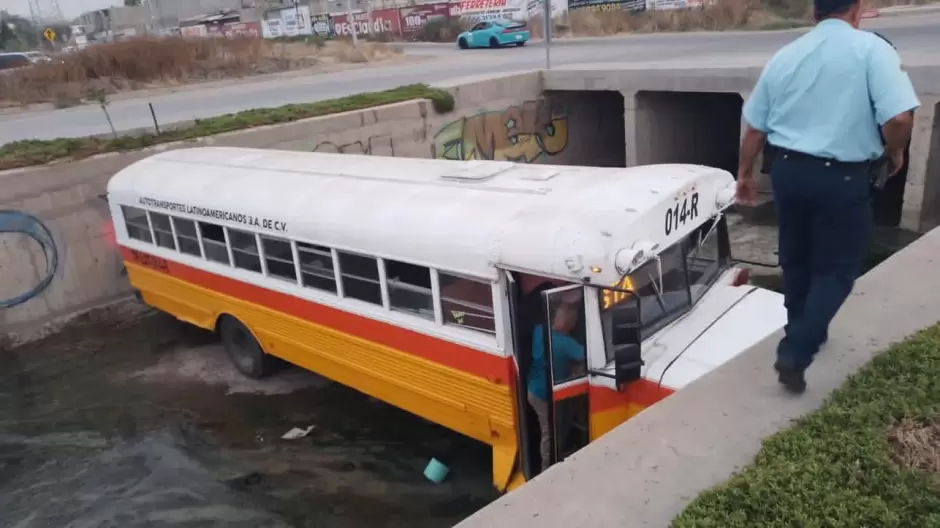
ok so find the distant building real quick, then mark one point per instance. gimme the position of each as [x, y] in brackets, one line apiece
[169, 13]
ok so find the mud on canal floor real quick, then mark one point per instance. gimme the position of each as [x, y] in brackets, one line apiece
[130, 418]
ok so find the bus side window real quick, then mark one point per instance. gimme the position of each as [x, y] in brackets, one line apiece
[316, 267]
[187, 237]
[467, 303]
[360, 275]
[213, 242]
[279, 259]
[136, 222]
[162, 230]
[409, 288]
[245, 250]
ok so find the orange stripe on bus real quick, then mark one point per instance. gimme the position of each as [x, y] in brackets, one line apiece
[571, 391]
[641, 392]
[491, 367]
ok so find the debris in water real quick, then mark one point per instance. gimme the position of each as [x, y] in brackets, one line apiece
[436, 472]
[296, 433]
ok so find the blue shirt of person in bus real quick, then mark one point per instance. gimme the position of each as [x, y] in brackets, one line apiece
[565, 350]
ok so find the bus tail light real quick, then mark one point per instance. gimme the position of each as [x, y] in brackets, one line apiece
[742, 277]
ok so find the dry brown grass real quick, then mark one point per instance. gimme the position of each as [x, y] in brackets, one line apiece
[722, 15]
[148, 61]
[916, 445]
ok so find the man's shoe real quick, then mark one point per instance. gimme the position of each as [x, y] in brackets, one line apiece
[791, 378]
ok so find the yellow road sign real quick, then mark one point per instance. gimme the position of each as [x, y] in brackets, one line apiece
[49, 33]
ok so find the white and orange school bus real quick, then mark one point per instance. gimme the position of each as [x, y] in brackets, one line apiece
[422, 282]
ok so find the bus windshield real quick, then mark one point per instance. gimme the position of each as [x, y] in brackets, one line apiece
[689, 268]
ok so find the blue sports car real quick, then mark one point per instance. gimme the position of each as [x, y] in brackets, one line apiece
[494, 34]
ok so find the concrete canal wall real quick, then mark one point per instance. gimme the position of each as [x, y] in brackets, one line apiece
[598, 115]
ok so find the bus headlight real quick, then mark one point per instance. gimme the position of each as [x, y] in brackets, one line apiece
[627, 260]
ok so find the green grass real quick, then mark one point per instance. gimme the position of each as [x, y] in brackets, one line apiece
[37, 152]
[835, 467]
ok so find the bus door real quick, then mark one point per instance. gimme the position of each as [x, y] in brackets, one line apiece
[522, 347]
[564, 336]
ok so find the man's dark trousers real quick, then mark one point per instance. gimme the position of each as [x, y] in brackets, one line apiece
[824, 212]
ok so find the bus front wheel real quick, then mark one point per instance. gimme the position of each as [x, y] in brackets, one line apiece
[244, 350]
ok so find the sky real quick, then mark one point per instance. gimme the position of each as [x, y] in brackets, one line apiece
[70, 8]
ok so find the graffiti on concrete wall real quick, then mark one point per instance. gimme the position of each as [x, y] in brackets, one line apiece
[18, 222]
[373, 146]
[520, 133]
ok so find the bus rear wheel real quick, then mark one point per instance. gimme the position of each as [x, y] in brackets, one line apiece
[244, 350]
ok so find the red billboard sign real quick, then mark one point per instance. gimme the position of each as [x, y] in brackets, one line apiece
[236, 29]
[383, 21]
[479, 5]
[415, 17]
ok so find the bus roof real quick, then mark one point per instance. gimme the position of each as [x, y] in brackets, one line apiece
[461, 216]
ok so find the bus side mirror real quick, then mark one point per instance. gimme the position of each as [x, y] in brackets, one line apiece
[627, 363]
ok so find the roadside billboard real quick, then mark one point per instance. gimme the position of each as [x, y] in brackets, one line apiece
[414, 18]
[322, 25]
[477, 10]
[671, 5]
[236, 29]
[536, 7]
[198, 30]
[271, 28]
[606, 5]
[384, 21]
[287, 22]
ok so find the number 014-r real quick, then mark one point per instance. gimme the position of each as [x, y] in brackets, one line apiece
[682, 212]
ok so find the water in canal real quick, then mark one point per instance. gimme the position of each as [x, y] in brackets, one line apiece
[134, 419]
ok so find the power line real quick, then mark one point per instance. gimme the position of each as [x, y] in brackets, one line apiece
[43, 11]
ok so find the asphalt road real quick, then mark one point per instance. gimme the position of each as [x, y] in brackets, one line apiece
[916, 36]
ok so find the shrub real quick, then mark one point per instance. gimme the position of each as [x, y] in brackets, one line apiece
[141, 61]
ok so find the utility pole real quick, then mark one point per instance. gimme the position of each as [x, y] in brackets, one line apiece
[57, 11]
[547, 29]
[352, 22]
[34, 14]
[152, 24]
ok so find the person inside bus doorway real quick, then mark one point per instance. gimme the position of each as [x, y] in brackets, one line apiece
[567, 353]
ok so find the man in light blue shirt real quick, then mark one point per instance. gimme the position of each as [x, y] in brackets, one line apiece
[830, 104]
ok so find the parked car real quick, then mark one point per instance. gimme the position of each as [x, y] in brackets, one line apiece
[494, 34]
[11, 61]
[37, 57]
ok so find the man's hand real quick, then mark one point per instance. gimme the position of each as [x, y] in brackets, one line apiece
[896, 159]
[746, 192]
[897, 133]
[751, 146]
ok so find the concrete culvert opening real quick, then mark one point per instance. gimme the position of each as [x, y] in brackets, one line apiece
[596, 123]
[689, 127]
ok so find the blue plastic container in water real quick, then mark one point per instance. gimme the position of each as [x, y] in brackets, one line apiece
[436, 472]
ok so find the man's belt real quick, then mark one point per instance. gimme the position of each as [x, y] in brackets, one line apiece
[780, 152]
[877, 168]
